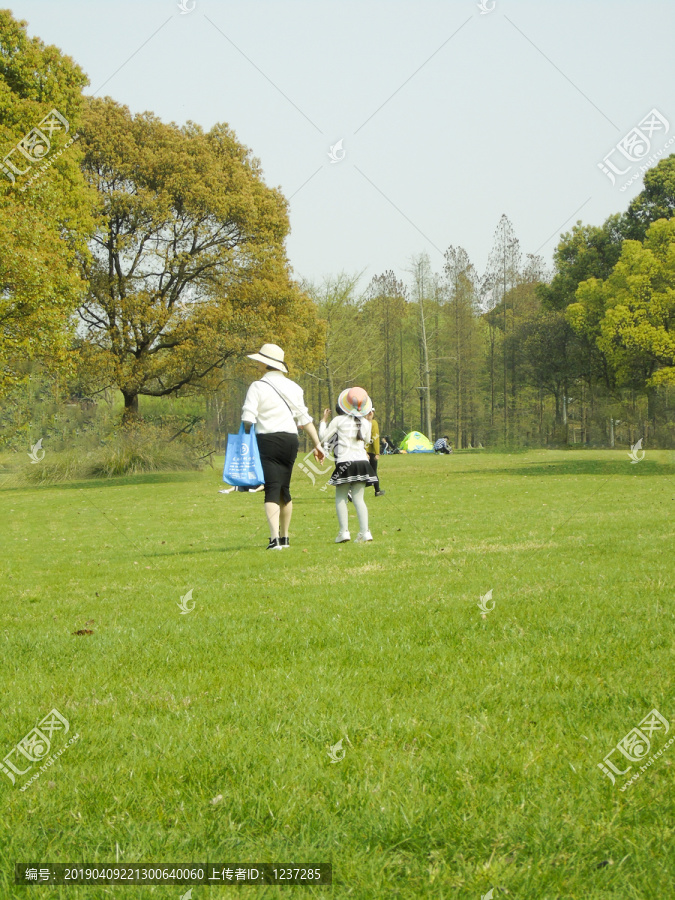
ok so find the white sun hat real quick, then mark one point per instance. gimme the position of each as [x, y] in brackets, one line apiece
[270, 354]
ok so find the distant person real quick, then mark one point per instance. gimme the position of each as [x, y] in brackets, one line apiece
[373, 450]
[352, 468]
[387, 446]
[276, 406]
[443, 445]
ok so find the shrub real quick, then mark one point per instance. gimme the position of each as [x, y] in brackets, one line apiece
[129, 451]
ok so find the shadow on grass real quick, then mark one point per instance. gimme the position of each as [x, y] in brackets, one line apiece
[601, 467]
[122, 481]
[255, 544]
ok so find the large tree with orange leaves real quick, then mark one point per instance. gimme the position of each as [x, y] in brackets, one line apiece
[188, 262]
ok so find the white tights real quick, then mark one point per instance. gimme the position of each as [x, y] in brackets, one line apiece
[358, 489]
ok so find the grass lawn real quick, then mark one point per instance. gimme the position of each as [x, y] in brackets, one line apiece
[471, 741]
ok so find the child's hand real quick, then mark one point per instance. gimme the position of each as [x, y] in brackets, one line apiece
[319, 455]
[326, 415]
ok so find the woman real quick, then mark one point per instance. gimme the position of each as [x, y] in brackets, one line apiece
[276, 406]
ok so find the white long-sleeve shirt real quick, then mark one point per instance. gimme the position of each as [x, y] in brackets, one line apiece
[349, 449]
[264, 407]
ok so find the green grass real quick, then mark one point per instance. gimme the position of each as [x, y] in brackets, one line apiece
[472, 743]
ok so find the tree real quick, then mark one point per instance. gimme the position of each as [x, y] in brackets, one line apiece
[423, 282]
[633, 310]
[587, 251]
[503, 274]
[188, 265]
[461, 287]
[546, 340]
[656, 201]
[386, 306]
[44, 209]
[349, 336]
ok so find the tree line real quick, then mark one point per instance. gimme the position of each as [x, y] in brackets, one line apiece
[150, 258]
[518, 356]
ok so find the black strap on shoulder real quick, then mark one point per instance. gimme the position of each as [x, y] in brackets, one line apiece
[280, 394]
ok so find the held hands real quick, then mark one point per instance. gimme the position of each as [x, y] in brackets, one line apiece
[319, 455]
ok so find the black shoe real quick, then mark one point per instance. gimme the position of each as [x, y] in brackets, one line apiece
[284, 542]
[274, 544]
[380, 493]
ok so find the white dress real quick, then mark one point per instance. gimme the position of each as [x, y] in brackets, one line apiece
[351, 459]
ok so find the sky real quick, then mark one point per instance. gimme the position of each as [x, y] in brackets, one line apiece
[440, 116]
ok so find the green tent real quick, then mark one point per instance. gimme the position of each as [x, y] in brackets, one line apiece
[416, 442]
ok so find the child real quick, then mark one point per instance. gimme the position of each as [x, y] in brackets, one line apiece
[352, 469]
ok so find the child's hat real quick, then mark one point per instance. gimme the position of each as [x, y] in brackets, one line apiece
[355, 402]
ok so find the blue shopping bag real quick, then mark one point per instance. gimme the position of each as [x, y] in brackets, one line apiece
[242, 460]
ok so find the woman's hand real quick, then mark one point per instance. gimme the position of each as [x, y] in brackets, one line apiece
[319, 454]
